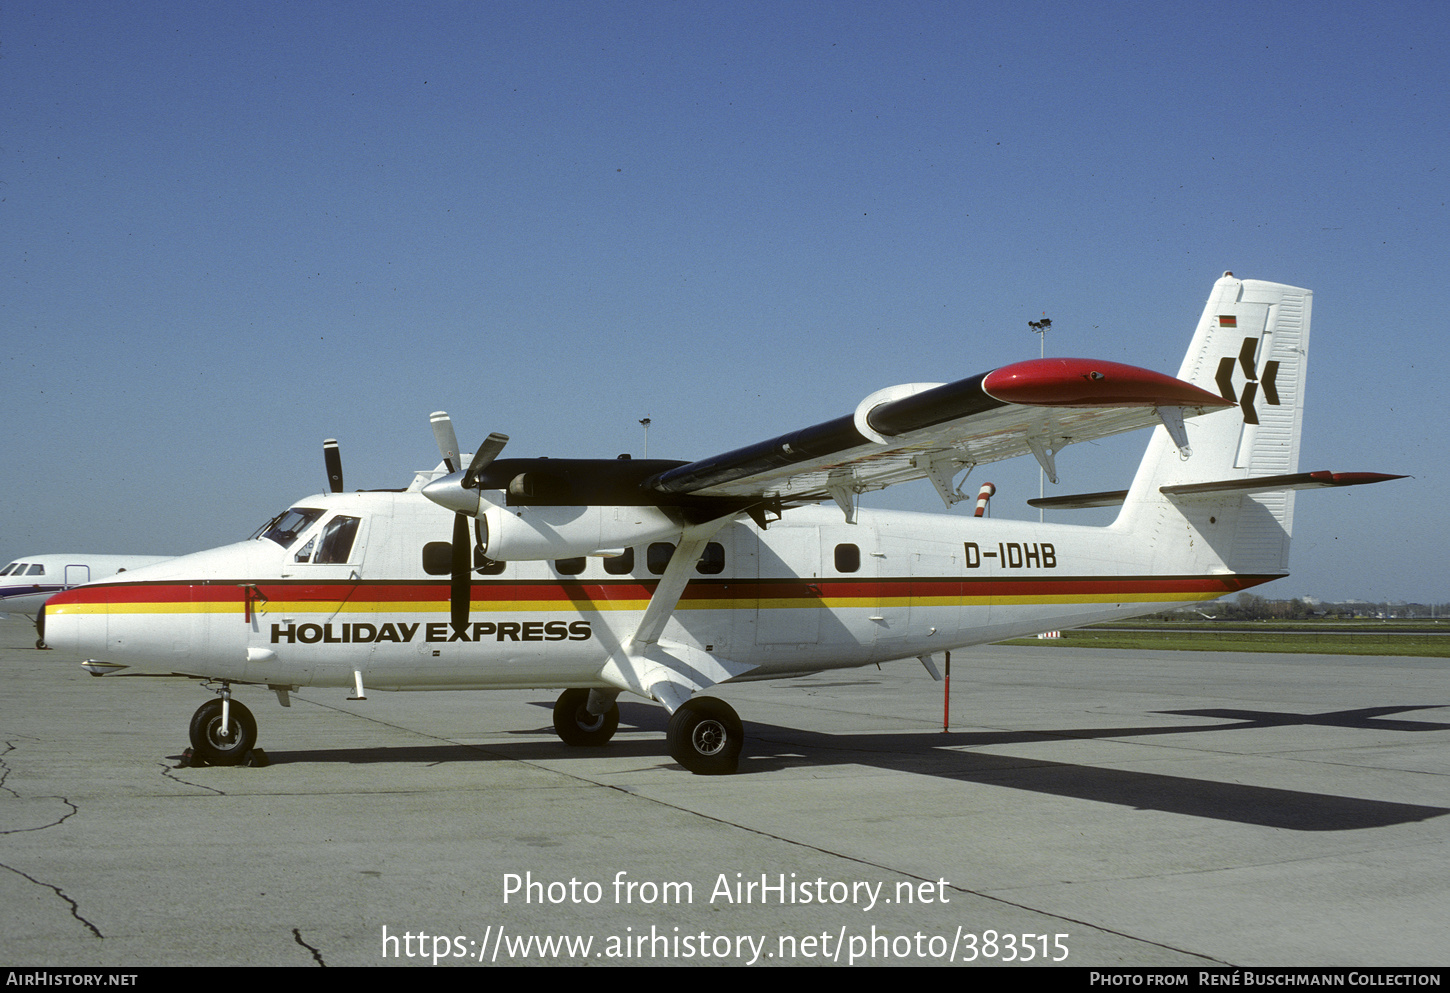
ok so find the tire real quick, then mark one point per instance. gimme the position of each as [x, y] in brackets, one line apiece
[576, 726]
[206, 741]
[706, 736]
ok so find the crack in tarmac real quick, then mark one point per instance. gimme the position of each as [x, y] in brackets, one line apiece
[43, 827]
[75, 909]
[5, 770]
[316, 955]
[168, 771]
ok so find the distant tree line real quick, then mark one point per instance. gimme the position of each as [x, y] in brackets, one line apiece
[1252, 607]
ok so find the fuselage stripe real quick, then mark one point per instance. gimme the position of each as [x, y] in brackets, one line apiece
[361, 598]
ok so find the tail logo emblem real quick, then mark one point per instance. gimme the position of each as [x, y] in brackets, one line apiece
[1253, 381]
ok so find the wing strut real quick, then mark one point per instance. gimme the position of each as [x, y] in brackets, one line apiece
[1172, 418]
[942, 469]
[663, 671]
[1046, 457]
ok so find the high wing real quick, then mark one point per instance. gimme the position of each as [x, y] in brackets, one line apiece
[935, 431]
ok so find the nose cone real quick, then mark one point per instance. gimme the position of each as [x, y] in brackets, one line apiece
[449, 493]
[67, 626]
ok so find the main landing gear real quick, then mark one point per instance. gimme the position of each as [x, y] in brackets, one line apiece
[576, 726]
[705, 736]
[705, 733]
[215, 743]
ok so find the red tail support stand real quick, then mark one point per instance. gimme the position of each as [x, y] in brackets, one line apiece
[946, 694]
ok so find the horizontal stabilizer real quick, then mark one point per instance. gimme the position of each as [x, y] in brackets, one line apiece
[1291, 481]
[1080, 501]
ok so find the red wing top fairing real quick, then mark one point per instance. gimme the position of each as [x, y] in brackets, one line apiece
[663, 578]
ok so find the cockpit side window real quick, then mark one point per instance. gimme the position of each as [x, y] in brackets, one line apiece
[6, 571]
[36, 570]
[286, 526]
[337, 539]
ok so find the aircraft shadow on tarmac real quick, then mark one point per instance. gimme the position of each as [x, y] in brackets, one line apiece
[771, 748]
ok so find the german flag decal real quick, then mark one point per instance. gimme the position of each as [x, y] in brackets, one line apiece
[1228, 321]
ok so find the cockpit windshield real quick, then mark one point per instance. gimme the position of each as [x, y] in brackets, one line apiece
[286, 526]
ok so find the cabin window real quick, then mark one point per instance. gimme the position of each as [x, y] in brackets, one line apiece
[438, 558]
[620, 565]
[712, 562]
[848, 558]
[657, 556]
[286, 526]
[569, 567]
[482, 563]
[337, 539]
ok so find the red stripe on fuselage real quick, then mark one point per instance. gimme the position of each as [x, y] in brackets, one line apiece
[581, 594]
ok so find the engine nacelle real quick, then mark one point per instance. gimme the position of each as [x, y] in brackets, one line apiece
[514, 533]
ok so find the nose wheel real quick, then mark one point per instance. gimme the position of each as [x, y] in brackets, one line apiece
[217, 745]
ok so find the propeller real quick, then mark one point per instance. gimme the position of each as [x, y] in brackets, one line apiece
[332, 457]
[460, 594]
[486, 453]
[447, 440]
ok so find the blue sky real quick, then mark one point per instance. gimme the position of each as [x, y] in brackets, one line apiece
[232, 230]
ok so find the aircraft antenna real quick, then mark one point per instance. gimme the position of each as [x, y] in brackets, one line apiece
[644, 423]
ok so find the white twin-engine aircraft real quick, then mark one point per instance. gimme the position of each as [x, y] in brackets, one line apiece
[664, 578]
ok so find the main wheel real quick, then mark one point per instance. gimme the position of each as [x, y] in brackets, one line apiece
[576, 726]
[210, 745]
[705, 736]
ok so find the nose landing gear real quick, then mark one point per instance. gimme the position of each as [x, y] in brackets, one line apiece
[222, 732]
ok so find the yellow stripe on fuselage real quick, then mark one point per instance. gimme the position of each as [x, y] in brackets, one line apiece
[333, 607]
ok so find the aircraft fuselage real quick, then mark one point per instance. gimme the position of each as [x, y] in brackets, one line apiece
[809, 593]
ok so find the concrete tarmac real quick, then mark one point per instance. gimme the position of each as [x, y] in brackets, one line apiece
[1092, 807]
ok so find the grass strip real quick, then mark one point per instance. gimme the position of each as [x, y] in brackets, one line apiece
[1327, 643]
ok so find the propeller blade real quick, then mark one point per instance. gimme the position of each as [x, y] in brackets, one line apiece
[461, 591]
[486, 453]
[447, 440]
[332, 457]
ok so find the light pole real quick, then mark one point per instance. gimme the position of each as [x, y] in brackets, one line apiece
[1040, 329]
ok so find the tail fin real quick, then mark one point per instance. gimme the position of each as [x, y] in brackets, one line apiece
[1251, 347]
